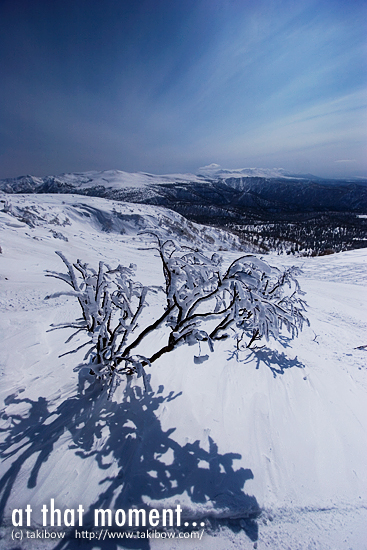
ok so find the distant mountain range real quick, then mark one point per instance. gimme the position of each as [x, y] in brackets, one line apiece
[213, 192]
[233, 199]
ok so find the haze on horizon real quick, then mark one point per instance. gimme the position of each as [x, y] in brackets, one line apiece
[167, 86]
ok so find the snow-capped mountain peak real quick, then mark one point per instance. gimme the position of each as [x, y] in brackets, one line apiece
[216, 171]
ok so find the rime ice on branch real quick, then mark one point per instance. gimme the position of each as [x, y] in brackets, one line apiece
[203, 303]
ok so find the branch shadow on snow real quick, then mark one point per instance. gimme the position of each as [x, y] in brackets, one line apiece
[276, 361]
[147, 463]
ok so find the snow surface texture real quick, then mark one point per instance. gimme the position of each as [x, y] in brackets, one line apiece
[267, 447]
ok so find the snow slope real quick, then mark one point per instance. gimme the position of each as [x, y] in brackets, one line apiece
[267, 448]
[63, 216]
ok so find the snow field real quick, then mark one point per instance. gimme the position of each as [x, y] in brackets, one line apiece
[284, 425]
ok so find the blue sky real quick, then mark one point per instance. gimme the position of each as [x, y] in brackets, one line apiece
[170, 85]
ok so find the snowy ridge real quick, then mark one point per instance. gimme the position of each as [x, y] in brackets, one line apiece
[61, 213]
[214, 171]
[266, 447]
[110, 179]
[118, 179]
[289, 209]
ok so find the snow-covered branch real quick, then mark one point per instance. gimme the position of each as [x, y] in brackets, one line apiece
[203, 303]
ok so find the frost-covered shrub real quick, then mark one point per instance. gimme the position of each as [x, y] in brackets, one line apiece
[203, 303]
[111, 303]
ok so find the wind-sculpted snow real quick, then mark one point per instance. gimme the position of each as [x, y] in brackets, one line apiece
[64, 215]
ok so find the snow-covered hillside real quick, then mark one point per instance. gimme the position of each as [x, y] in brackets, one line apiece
[118, 179]
[267, 448]
[269, 209]
[60, 217]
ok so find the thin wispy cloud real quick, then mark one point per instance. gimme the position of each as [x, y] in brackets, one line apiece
[170, 86]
